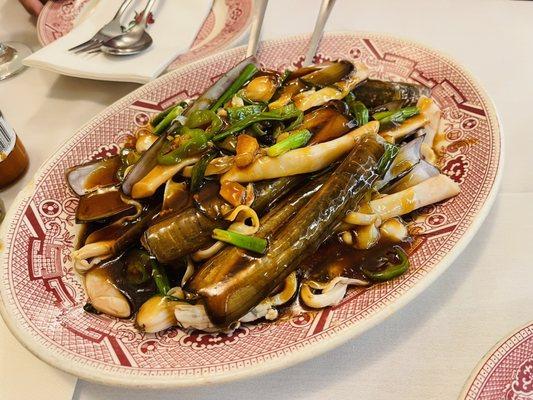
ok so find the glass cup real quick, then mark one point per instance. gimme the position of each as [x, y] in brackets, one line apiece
[11, 56]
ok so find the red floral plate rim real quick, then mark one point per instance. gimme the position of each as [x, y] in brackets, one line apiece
[506, 371]
[224, 26]
[108, 351]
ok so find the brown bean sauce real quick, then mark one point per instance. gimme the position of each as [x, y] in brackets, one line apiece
[208, 202]
[335, 258]
[115, 271]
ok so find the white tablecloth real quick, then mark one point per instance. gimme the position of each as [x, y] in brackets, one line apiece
[427, 349]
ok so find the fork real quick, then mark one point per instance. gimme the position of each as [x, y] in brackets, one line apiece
[108, 31]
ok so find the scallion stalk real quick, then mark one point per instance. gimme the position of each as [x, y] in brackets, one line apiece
[357, 109]
[252, 243]
[295, 140]
[159, 117]
[247, 73]
[396, 117]
[280, 114]
[169, 117]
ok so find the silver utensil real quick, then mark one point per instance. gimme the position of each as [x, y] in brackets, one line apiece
[255, 30]
[11, 56]
[323, 14]
[134, 40]
[108, 31]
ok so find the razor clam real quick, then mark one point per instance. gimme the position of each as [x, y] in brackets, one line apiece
[90, 176]
[145, 164]
[329, 73]
[319, 76]
[104, 203]
[156, 314]
[407, 157]
[223, 262]
[219, 87]
[420, 172]
[179, 234]
[261, 88]
[374, 93]
[176, 196]
[337, 91]
[331, 293]
[229, 298]
[112, 240]
[328, 122]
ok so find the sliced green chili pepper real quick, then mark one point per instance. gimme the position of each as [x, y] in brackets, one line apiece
[137, 266]
[198, 171]
[161, 116]
[160, 277]
[357, 109]
[391, 151]
[165, 122]
[281, 114]
[239, 113]
[203, 118]
[247, 73]
[396, 117]
[191, 142]
[252, 243]
[295, 140]
[391, 270]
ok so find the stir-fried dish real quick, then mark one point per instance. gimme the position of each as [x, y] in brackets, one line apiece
[272, 188]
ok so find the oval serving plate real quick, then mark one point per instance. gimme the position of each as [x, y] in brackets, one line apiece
[42, 297]
[225, 25]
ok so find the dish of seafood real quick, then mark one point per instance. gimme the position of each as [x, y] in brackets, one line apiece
[271, 187]
[189, 234]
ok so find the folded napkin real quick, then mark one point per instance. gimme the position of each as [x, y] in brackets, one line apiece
[176, 23]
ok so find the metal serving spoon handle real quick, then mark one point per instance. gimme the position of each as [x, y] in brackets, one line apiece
[255, 30]
[323, 14]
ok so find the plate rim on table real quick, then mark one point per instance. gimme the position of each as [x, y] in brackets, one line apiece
[476, 382]
[319, 346]
[218, 41]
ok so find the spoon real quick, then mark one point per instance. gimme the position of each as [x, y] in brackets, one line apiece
[255, 29]
[323, 14]
[134, 40]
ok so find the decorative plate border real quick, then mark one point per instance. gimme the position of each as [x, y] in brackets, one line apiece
[506, 371]
[329, 334]
[57, 18]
